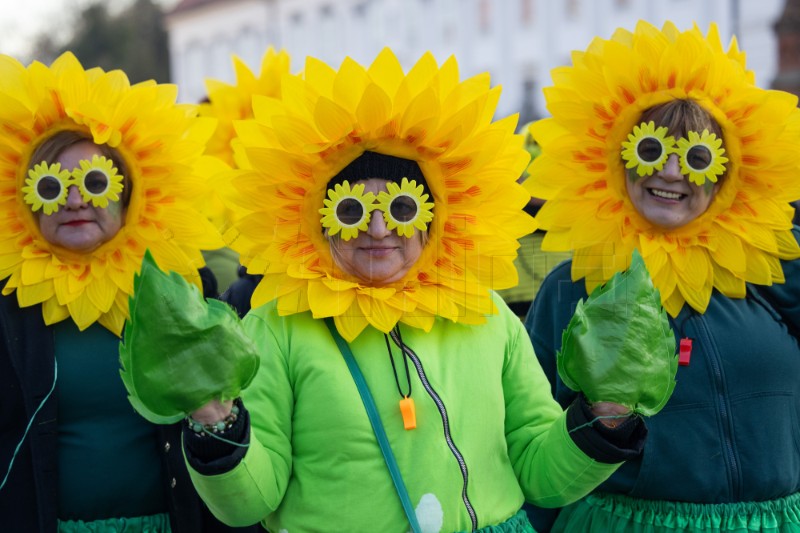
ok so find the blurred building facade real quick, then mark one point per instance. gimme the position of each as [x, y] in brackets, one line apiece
[517, 41]
[787, 30]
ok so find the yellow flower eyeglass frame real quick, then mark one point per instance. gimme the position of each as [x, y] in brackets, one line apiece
[701, 155]
[47, 185]
[348, 210]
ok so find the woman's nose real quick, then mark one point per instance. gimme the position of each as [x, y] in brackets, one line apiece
[74, 198]
[672, 169]
[377, 226]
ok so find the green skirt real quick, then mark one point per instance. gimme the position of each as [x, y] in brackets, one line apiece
[157, 523]
[516, 524]
[607, 513]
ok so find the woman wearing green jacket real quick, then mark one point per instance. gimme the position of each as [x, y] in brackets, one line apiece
[681, 157]
[382, 208]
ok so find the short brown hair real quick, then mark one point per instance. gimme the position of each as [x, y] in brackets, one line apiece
[681, 116]
[52, 147]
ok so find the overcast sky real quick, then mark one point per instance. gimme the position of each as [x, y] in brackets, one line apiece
[22, 20]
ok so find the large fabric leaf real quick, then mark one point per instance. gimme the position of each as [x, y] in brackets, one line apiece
[179, 351]
[618, 346]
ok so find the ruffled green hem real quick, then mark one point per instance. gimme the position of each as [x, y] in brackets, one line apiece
[602, 513]
[516, 524]
[157, 523]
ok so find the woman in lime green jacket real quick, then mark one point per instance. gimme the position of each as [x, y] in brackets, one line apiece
[395, 390]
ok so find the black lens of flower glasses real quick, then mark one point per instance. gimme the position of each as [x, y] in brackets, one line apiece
[49, 187]
[349, 211]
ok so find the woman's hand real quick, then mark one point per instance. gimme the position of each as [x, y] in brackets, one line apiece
[611, 409]
[213, 412]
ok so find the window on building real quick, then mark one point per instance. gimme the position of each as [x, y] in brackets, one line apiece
[248, 46]
[527, 112]
[218, 60]
[572, 9]
[485, 16]
[193, 73]
[526, 12]
[294, 33]
[328, 31]
[449, 20]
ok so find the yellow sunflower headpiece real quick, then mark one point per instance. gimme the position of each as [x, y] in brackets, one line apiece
[324, 121]
[161, 145]
[230, 102]
[596, 106]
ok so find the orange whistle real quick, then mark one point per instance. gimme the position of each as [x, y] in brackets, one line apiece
[409, 413]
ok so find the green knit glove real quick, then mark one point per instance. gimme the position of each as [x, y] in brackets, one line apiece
[618, 346]
[179, 351]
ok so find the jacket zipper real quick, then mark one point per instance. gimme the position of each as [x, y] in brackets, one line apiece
[446, 425]
[724, 409]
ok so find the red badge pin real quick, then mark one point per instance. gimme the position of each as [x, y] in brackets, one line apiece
[685, 352]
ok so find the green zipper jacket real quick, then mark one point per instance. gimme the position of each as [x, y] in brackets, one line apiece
[489, 434]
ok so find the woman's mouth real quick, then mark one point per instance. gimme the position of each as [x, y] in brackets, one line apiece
[666, 195]
[378, 251]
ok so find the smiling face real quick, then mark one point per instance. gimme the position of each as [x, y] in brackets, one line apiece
[379, 255]
[667, 198]
[79, 226]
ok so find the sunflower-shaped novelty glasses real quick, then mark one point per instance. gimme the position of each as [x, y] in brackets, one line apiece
[348, 209]
[700, 156]
[47, 185]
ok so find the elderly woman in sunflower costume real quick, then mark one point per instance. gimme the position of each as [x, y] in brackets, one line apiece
[660, 141]
[377, 384]
[94, 171]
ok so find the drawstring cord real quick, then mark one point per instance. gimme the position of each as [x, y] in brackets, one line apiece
[407, 408]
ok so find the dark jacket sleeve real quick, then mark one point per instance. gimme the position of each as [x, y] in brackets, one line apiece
[209, 280]
[188, 513]
[784, 298]
[239, 293]
[210, 456]
[602, 443]
[28, 501]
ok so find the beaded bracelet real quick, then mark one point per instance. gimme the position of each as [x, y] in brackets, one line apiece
[217, 427]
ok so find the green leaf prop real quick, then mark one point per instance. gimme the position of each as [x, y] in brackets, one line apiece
[618, 346]
[179, 351]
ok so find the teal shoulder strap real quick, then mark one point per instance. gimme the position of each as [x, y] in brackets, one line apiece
[377, 426]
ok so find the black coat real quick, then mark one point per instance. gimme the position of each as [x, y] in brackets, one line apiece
[239, 293]
[29, 499]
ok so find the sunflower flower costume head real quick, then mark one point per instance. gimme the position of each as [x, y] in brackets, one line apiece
[596, 135]
[159, 176]
[230, 102]
[293, 198]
